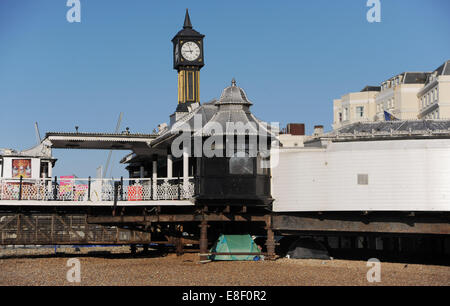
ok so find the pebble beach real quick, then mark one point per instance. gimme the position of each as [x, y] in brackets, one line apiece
[116, 267]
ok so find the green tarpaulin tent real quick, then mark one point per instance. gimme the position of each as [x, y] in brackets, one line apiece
[235, 244]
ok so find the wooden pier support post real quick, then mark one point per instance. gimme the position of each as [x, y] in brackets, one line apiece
[133, 249]
[203, 240]
[178, 240]
[270, 243]
[179, 246]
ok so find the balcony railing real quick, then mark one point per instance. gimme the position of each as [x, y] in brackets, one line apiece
[97, 190]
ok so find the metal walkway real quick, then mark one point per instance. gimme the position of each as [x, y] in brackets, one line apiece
[55, 229]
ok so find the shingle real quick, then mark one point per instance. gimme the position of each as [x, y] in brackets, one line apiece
[397, 127]
[416, 77]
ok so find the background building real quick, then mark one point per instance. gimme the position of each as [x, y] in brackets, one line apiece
[434, 97]
[355, 107]
[406, 96]
[293, 135]
[398, 96]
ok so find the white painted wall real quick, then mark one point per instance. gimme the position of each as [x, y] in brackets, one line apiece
[403, 175]
[7, 167]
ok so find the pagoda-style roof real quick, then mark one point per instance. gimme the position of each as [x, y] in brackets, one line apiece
[41, 150]
[187, 123]
[230, 112]
[234, 112]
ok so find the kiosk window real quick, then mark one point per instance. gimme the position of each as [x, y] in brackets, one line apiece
[241, 165]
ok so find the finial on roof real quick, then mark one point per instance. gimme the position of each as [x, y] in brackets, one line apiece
[233, 82]
[187, 21]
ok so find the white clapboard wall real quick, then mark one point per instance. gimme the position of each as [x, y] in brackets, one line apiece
[394, 175]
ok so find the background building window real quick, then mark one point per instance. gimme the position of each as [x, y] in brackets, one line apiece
[360, 111]
[346, 113]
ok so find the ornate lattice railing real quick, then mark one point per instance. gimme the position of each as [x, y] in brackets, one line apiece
[97, 190]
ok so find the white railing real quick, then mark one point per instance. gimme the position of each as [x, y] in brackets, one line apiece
[97, 190]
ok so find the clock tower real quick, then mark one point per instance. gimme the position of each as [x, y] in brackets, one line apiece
[188, 59]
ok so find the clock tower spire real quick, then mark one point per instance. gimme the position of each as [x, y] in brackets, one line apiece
[188, 59]
[187, 21]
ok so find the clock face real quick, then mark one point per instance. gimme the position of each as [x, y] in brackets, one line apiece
[190, 51]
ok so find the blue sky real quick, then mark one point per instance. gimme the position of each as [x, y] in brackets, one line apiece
[292, 58]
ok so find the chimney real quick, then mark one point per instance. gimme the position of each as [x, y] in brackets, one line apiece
[295, 128]
[318, 130]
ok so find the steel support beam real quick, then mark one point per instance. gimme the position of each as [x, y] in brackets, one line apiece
[384, 223]
[63, 229]
[174, 218]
